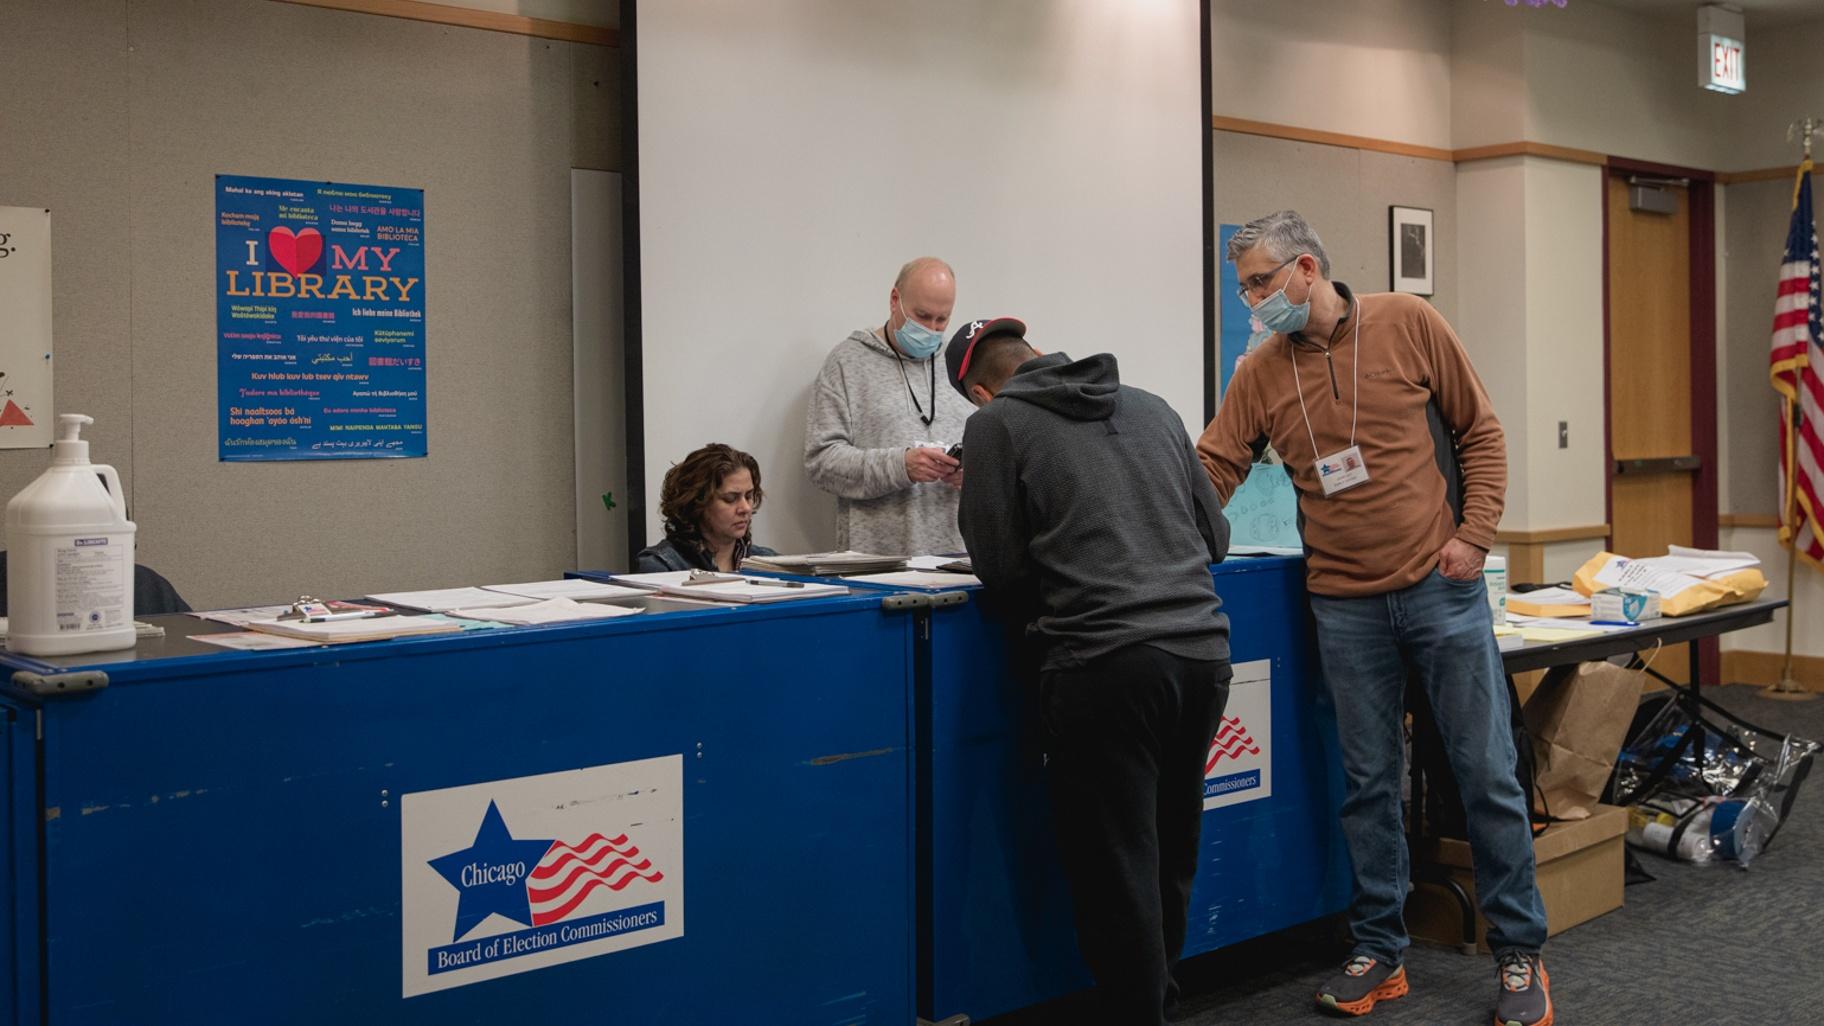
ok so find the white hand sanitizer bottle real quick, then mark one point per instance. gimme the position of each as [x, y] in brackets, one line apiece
[69, 585]
[1494, 574]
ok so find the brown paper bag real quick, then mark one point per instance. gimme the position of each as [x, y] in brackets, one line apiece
[1578, 719]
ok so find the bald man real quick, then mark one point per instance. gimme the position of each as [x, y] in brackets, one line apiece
[878, 427]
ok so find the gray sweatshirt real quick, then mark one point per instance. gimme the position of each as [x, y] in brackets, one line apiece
[862, 417]
[1085, 494]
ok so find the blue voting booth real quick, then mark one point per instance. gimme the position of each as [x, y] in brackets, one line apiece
[995, 931]
[357, 833]
[827, 811]
[995, 920]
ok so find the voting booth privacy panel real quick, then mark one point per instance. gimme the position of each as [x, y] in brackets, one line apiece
[995, 928]
[669, 818]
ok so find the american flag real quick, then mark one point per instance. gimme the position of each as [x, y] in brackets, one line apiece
[1232, 741]
[1797, 362]
[569, 872]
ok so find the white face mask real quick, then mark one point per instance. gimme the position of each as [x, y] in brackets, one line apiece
[1277, 313]
[916, 340]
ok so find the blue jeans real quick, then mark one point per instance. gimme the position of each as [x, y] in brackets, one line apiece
[1435, 632]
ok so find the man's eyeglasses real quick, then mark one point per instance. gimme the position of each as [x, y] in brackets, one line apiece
[1255, 282]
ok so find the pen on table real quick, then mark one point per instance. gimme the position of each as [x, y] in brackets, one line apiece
[707, 577]
[356, 614]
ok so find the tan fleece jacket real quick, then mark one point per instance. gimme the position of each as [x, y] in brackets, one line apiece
[1383, 534]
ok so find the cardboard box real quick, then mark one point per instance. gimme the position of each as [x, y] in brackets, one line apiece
[1580, 874]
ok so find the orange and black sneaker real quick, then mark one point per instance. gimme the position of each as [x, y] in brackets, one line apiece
[1523, 995]
[1364, 981]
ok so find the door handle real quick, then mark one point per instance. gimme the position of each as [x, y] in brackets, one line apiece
[1658, 465]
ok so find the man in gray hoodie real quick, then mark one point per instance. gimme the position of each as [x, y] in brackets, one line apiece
[1086, 502]
[877, 427]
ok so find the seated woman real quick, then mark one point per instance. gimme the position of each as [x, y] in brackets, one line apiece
[708, 501]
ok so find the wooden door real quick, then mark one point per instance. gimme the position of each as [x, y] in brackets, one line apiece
[1651, 487]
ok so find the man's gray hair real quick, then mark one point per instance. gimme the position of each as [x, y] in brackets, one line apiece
[1285, 234]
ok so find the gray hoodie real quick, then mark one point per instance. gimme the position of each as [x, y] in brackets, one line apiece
[862, 417]
[1086, 494]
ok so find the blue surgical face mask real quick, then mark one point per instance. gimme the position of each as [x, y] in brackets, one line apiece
[1277, 313]
[916, 340]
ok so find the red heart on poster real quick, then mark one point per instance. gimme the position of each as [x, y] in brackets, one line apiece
[296, 253]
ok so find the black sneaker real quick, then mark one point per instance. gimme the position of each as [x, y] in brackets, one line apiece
[1523, 995]
[1363, 981]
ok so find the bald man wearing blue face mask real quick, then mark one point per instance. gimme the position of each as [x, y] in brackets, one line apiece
[878, 426]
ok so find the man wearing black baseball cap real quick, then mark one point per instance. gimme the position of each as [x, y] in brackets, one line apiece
[1085, 500]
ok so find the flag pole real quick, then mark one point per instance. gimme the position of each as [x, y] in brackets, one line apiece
[1786, 688]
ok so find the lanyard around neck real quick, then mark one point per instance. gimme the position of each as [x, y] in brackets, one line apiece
[1355, 384]
[926, 418]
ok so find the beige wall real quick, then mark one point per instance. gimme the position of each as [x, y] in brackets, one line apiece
[1808, 597]
[1487, 75]
[1377, 68]
[1756, 215]
[1345, 194]
[127, 112]
[1621, 83]
[1492, 265]
[1785, 83]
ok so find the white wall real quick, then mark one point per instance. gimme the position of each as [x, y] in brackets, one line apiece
[1564, 363]
[794, 154]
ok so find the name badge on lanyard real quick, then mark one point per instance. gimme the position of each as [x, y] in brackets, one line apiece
[1341, 471]
[1345, 468]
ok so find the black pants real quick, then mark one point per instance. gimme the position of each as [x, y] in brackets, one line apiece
[1127, 735]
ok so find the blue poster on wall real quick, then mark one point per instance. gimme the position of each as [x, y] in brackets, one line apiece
[1263, 512]
[1239, 333]
[319, 320]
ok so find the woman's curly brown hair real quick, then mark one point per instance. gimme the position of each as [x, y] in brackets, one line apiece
[692, 482]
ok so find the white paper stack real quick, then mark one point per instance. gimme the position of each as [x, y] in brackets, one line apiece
[826, 564]
[1704, 562]
[729, 587]
[367, 628]
[555, 610]
[241, 617]
[443, 600]
[1672, 573]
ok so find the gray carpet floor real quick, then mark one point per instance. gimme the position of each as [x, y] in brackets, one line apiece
[1699, 945]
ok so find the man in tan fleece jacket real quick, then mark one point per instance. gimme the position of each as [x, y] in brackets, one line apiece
[1346, 391]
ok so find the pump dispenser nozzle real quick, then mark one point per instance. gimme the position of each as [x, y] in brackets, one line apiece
[69, 447]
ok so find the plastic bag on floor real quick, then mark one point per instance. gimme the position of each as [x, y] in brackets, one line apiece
[1703, 829]
[1708, 790]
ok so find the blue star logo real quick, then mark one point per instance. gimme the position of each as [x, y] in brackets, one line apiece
[490, 874]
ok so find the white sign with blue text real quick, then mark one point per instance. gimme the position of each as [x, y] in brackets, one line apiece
[1239, 767]
[507, 876]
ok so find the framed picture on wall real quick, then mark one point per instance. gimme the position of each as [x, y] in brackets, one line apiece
[1411, 240]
